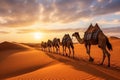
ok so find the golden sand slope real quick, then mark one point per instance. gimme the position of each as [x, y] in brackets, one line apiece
[63, 68]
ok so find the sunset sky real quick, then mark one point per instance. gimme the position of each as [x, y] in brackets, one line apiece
[39, 20]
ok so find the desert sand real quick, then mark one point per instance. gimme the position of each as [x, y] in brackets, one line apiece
[27, 63]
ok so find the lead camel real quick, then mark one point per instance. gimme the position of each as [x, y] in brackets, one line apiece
[101, 40]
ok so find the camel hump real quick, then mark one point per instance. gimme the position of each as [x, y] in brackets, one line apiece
[96, 27]
[89, 28]
[56, 39]
[92, 32]
[66, 38]
[92, 28]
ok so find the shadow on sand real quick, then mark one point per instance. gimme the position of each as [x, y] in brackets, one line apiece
[24, 71]
[81, 65]
[7, 53]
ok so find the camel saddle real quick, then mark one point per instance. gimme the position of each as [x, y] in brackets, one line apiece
[92, 33]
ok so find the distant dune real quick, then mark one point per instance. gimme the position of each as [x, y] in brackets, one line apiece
[12, 46]
[35, 45]
[113, 37]
[112, 29]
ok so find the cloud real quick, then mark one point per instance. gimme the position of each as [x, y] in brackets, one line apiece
[112, 31]
[114, 21]
[64, 10]
[16, 13]
[117, 13]
[4, 32]
[72, 10]
[103, 7]
[23, 31]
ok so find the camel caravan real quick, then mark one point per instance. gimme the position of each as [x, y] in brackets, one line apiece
[92, 36]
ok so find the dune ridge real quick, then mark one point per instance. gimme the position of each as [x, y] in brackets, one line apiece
[12, 46]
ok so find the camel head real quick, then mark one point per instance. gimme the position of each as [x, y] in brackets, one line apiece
[75, 34]
[58, 39]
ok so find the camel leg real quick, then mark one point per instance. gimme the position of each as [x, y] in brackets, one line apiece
[104, 56]
[58, 49]
[55, 49]
[88, 46]
[105, 52]
[50, 49]
[69, 51]
[72, 49]
[108, 55]
[91, 59]
[63, 50]
[73, 52]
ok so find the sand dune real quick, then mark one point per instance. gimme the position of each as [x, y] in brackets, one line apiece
[12, 46]
[34, 64]
[23, 62]
[16, 59]
[9, 48]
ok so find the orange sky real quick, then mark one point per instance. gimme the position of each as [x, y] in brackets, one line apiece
[20, 20]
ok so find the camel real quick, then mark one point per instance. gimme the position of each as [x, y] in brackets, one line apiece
[49, 45]
[67, 43]
[95, 36]
[43, 45]
[56, 44]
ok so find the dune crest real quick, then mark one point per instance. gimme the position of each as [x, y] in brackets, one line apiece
[12, 46]
[113, 37]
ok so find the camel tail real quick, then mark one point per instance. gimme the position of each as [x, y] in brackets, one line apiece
[109, 46]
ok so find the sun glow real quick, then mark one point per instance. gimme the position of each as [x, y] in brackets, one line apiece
[37, 35]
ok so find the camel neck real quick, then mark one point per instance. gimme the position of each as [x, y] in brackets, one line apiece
[79, 39]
